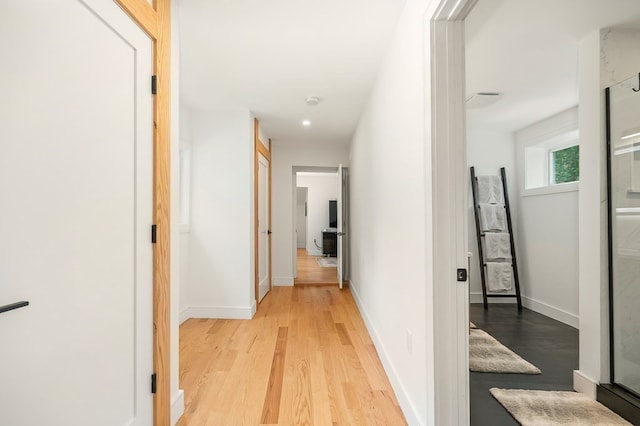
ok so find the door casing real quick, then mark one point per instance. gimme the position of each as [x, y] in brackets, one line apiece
[449, 222]
[155, 20]
[264, 149]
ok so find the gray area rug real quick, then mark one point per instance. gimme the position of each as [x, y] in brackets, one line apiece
[538, 408]
[472, 325]
[328, 262]
[487, 355]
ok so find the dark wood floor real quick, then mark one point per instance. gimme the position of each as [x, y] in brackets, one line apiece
[546, 343]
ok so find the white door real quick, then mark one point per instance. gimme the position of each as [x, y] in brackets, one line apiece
[76, 191]
[340, 233]
[264, 233]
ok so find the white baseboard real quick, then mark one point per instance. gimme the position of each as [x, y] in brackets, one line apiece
[314, 252]
[477, 298]
[184, 315]
[537, 306]
[551, 312]
[177, 407]
[584, 384]
[219, 312]
[282, 281]
[254, 308]
[408, 408]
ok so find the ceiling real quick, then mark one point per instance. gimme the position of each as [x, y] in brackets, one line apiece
[269, 56]
[528, 51]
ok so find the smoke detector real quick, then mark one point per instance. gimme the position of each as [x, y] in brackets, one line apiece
[312, 101]
[483, 99]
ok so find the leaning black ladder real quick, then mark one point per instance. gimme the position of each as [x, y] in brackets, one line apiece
[480, 235]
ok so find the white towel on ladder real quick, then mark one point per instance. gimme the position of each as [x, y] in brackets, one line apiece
[492, 217]
[499, 276]
[497, 246]
[490, 190]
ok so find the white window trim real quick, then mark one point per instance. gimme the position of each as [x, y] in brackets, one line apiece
[560, 140]
[552, 189]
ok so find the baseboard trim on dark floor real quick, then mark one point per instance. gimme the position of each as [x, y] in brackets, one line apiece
[620, 401]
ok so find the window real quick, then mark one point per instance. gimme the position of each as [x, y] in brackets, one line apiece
[564, 165]
[552, 165]
[548, 153]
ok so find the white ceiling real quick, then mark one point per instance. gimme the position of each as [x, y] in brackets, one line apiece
[528, 50]
[268, 56]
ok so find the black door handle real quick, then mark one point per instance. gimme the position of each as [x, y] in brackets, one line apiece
[269, 232]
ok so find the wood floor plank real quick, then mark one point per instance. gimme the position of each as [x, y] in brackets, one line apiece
[303, 402]
[320, 397]
[344, 335]
[306, 358]
[271, 407]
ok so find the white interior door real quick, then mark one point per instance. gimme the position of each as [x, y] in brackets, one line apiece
[76, 186]
[264, 233]
[340, 234]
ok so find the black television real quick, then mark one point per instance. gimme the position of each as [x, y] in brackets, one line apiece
[333, 213]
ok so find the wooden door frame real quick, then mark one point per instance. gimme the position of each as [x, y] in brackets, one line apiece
[260, 148]
[156, 22]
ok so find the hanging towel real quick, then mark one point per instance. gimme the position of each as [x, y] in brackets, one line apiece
[490, 190]
[492, 217]
[497, 246]
[499, 276]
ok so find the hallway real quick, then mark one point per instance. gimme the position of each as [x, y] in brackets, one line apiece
[305, 358]
[310, 272]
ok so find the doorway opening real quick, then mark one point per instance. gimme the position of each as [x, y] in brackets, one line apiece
[521, 121]
[528, 123]
[320, 223]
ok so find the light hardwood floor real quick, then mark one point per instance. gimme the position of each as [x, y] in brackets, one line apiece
[309, 272]
[305, 359]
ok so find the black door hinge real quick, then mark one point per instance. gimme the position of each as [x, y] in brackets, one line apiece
[154, 233]
[154, 384]
[462, 275]
[154, 84]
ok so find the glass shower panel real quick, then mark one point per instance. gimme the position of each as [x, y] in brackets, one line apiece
[624, 181]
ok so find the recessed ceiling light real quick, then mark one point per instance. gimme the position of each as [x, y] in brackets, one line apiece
[483, 99]
[306, 123]
[312, 100]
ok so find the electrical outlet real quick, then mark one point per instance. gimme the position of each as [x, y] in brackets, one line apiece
[409, 341]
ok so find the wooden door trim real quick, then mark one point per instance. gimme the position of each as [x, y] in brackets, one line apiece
[259, 149]
[143, 13]
[156, 22]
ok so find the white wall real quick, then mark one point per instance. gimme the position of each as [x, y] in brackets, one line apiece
[487, 151]
[185, 143]
[285, 156]
[605, 58]
[220, 248]
[321, 189]
[391, 277]
[548, 231]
